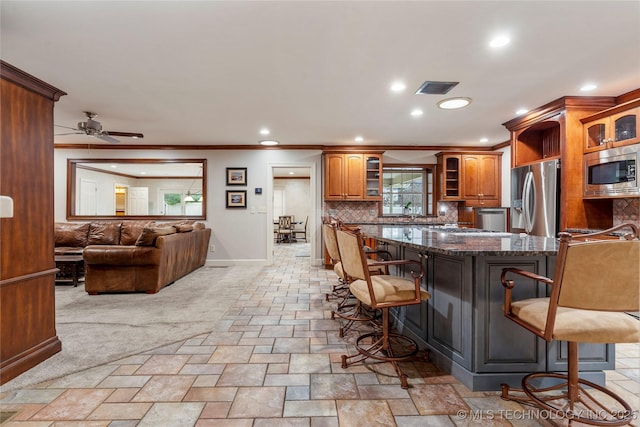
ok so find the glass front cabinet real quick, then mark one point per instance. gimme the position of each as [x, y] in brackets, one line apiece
[612, 128]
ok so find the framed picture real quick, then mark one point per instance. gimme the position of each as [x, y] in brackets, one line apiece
[236, 176]
[237, 199]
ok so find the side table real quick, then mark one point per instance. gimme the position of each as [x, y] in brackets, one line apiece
[70, 262]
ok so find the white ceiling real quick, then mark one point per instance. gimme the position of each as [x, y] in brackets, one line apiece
[215, 72]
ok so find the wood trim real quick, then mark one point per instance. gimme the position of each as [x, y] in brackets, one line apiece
[556, 107]
[24, 361]
[613, 110]
[629, 96]
[501, 145]
[13, 280]
[126, 175]
[29, 82]
[368, 149]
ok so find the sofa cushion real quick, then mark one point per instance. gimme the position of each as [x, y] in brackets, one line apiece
[131, 231]
[104, 233]
[71, 234]
[199, 226]
[150, 234]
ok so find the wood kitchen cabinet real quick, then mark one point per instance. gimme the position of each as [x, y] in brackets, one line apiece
[27, 265]
[555, 131]
[353, 176]
[482, 178]
[613, 127]
[472, 177]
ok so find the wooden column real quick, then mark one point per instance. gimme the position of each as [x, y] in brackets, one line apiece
[27, 266]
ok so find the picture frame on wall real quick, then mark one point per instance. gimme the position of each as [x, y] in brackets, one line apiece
[236, 176]
[237, 199]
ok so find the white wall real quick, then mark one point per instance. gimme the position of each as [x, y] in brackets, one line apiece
[297, 196]
[245, 236]
[240, 236]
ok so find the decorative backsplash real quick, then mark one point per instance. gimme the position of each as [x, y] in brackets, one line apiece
[626, 210]
[367, 212]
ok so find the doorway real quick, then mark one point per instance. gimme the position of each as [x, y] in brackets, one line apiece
[292, 192]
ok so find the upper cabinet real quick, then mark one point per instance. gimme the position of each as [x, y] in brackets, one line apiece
[538, 142]
[472, 177]
[613, 127]
[555, 131]
[353, 176]
[482, 179]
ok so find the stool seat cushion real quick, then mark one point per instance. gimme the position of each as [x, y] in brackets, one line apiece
[386, 289]
[579, 325]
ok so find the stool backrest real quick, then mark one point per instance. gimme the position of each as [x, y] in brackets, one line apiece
[599, 275]
[352, 254]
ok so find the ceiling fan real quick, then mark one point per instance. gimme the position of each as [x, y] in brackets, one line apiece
[94, 128]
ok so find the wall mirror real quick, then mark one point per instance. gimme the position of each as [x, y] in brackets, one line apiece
[136, 188]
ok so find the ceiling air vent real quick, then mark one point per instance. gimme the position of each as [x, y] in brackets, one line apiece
[436, 88]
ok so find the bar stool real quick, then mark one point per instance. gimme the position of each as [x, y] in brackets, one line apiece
[596, 281]
[380, 293]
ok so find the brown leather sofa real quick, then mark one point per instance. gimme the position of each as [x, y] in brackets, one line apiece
[134, 256]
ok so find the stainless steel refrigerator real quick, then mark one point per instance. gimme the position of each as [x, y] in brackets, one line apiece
[535, 199]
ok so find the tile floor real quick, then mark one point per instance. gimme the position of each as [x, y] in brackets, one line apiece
[272, 360]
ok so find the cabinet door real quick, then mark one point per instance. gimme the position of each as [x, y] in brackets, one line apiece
[373, 176]
[481, 174]
[334, 169]
[624, 128]
[595, 135]
[353, 184]
[449, 175]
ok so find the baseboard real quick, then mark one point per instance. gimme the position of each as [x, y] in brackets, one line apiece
[28, 359]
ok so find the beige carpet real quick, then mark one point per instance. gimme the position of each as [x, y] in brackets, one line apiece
[98, 329]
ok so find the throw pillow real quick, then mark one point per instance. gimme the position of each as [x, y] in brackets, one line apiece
[150, 235]
[71, 234]
[131, 230]
[104, 233]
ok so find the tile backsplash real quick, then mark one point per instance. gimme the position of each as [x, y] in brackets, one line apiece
[367, 212]
[626, 210]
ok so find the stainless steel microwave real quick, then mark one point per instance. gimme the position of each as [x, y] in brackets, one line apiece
[612, 173]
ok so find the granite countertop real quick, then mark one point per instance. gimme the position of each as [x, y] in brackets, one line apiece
[463, 242]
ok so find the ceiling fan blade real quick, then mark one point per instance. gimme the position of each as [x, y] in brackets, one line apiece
[126, 134]
[107, 138]
[70, 133]
[66, 127]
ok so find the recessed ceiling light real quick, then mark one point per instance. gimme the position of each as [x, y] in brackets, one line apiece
[292, 173]
[499, 41]
[522, 111]
[484, 139]
[143, 173]
[269, 142]
[398, 87]
[358, 139]
[134, 137]
[416, 112]
[453, 103]
[588, 87]
[114, 166]
[264, 131]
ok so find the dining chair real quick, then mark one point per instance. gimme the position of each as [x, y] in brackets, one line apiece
[380, 292]
[595, 285]
[285, 232]
[301, 231]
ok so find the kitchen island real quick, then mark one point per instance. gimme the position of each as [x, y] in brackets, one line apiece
[463, 324]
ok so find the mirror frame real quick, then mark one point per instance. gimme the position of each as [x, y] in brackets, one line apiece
[71, 189]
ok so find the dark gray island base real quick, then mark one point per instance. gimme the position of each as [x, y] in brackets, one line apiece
[463, 324]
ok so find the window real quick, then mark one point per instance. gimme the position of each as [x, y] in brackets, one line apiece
[410, 187]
